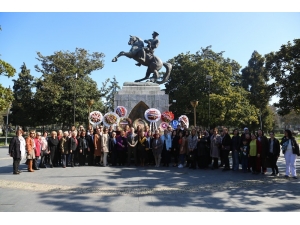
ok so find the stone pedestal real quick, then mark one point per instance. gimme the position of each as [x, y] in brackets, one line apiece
[138, 97]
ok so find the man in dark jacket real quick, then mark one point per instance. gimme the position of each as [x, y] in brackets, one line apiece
[273, 154]
[73, 143]
[264, 150]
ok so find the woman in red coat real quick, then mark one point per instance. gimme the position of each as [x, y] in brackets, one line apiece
[254, 154]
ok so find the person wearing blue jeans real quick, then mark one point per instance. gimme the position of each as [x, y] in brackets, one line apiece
[235, 146]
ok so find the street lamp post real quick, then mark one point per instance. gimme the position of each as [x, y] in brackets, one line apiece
[260, 118]
[89, 102]
[74, 97]
[209, 79]
[194, 104]
[6, 129]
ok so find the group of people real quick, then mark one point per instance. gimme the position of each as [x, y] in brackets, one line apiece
[105, 146]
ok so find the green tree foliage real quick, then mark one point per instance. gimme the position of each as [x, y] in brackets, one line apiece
[228, 102]
[6, 69]
[110, 96]
[24, 107]
[65, 80]
[284, 67]
[6, 97]
[290, 119]
[254, 80]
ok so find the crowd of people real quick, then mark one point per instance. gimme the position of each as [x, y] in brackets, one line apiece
[181, 147]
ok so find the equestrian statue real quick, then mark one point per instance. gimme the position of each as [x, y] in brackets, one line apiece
[145, 56]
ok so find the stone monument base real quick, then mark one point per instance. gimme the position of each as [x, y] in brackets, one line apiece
[138, 97]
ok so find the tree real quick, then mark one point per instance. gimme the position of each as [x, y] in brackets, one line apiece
[65, 85]
[291, 119]
[277, 118]
[110, 96]
[254, 79]
[228, 102]
[24, 108]
[284, 67]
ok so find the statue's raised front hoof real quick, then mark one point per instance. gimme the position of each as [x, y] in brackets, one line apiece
[114, 59]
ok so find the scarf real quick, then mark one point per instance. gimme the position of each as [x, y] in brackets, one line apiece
[22, 146]
[142, 140]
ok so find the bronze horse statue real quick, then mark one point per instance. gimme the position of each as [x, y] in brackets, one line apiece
[153, 63]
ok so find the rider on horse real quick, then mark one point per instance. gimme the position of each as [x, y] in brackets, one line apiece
[144, 56]
[152, 44]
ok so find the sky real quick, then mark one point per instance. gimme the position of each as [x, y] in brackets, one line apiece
[106, 29]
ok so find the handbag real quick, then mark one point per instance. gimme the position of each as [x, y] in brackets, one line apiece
[284, 146]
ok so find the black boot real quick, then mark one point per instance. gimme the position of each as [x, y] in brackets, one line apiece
[34, 165]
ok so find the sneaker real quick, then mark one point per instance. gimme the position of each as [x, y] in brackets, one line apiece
[295, 177]
[273, 174]
[277, 174]
[286, 176]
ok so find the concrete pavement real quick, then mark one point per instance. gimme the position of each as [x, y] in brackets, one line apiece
[147, 189]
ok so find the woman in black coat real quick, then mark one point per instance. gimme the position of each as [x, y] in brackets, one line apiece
[175, 147]
[226, 147]
[202, 151]
[53, 144]
[83, 148]
[16, 146]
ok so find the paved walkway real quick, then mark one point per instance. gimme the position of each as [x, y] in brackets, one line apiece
[148, 189]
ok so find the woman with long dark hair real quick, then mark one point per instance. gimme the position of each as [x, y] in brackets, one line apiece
[290, 149]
